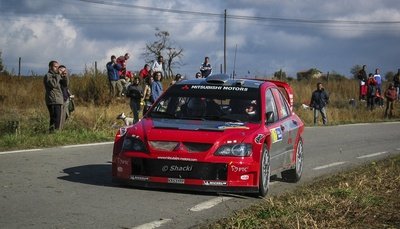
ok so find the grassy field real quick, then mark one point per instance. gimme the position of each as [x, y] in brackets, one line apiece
[365, 197]
[22, 102]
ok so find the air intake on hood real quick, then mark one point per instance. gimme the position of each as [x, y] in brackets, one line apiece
[217, 79]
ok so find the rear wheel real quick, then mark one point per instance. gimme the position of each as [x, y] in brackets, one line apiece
[265, 172]
[294, 175]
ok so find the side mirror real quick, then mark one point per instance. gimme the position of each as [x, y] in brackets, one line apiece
[270, 117]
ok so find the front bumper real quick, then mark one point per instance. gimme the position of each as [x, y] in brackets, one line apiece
[235, 177]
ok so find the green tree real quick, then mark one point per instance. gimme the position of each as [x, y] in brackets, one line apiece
[354, 70]
[1, 63]
[389, 76]
[280, 75]
[309, 74]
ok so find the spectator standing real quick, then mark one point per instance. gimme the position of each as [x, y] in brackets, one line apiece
[178, 77]
[371, 91]
[391, 96]
[156, 86]
[112, 71]
[145, 71]
[319, 100]
[147, 100]
[66, 93]
[135, 93]
[124, 79]
[122, 60]
[362, 76]
[158, 66]
[396, 83]
[53, 95]
[206, 68]
[378, 80]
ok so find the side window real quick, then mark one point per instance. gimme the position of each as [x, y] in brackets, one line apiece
[284, 109]
[270, 106]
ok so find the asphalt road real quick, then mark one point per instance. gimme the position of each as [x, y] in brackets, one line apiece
[70, 187]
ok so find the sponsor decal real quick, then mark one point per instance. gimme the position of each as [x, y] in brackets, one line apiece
[244, 177]
[276, 135]
[122, 162]
[220, 88]
[177, 168]
[214, 183]
[259, 138]
[177, 158]
[139, 178]
[176, 181]
[233, 125]
[186, 87]
[239, 169]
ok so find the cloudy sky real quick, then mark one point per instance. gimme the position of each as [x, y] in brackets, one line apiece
[268, 35]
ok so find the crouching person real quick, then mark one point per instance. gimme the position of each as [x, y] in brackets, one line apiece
[135, 93]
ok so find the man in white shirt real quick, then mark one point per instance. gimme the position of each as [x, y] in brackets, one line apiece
[157, 66]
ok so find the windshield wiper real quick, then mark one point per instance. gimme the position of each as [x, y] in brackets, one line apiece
[158, 114]
[192, 118]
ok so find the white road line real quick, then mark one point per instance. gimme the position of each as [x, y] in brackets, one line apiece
[20, 151]
[90, 144]
[154, 224]
[398, 149]
[372, 154]
[64, 147]
[330, 165]
[209, 204]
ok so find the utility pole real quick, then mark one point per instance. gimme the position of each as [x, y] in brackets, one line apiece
[234, 64]
[19, 67]
[225, 42]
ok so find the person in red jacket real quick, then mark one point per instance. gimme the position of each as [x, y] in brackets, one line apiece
[391, 96]
[145, 71]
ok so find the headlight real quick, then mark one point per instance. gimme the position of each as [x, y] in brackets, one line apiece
[133, 144]
[236, 150]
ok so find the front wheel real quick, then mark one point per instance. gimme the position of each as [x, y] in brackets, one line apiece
[265, 172]
[294, 175]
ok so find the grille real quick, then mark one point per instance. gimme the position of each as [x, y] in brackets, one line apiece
[197, 147]
[179, 169]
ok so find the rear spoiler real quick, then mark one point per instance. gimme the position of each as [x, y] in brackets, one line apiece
[286, 89]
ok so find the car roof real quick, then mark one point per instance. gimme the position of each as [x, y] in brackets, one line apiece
[225, 80]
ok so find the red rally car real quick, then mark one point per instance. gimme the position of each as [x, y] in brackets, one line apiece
[213, 134]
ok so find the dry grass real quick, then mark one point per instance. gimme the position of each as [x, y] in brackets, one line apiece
[365, 197]
[22, 100]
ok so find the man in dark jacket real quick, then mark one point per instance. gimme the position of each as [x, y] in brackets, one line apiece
[319, 99]
[54, 96]
[135, 93]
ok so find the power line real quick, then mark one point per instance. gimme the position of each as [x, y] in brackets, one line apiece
[239, 17]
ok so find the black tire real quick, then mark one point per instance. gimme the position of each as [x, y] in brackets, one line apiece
[265, 172]
[294, 175]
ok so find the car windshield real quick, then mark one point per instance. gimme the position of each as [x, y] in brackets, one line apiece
[211, 103]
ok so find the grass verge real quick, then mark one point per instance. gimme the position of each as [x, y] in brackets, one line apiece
[364, 197]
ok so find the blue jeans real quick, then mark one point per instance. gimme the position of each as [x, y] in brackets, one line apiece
[135, 107]
[323, 114]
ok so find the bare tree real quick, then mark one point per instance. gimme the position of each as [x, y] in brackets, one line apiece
[165, 47]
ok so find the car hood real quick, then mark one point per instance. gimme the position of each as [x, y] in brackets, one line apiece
[196, 130]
